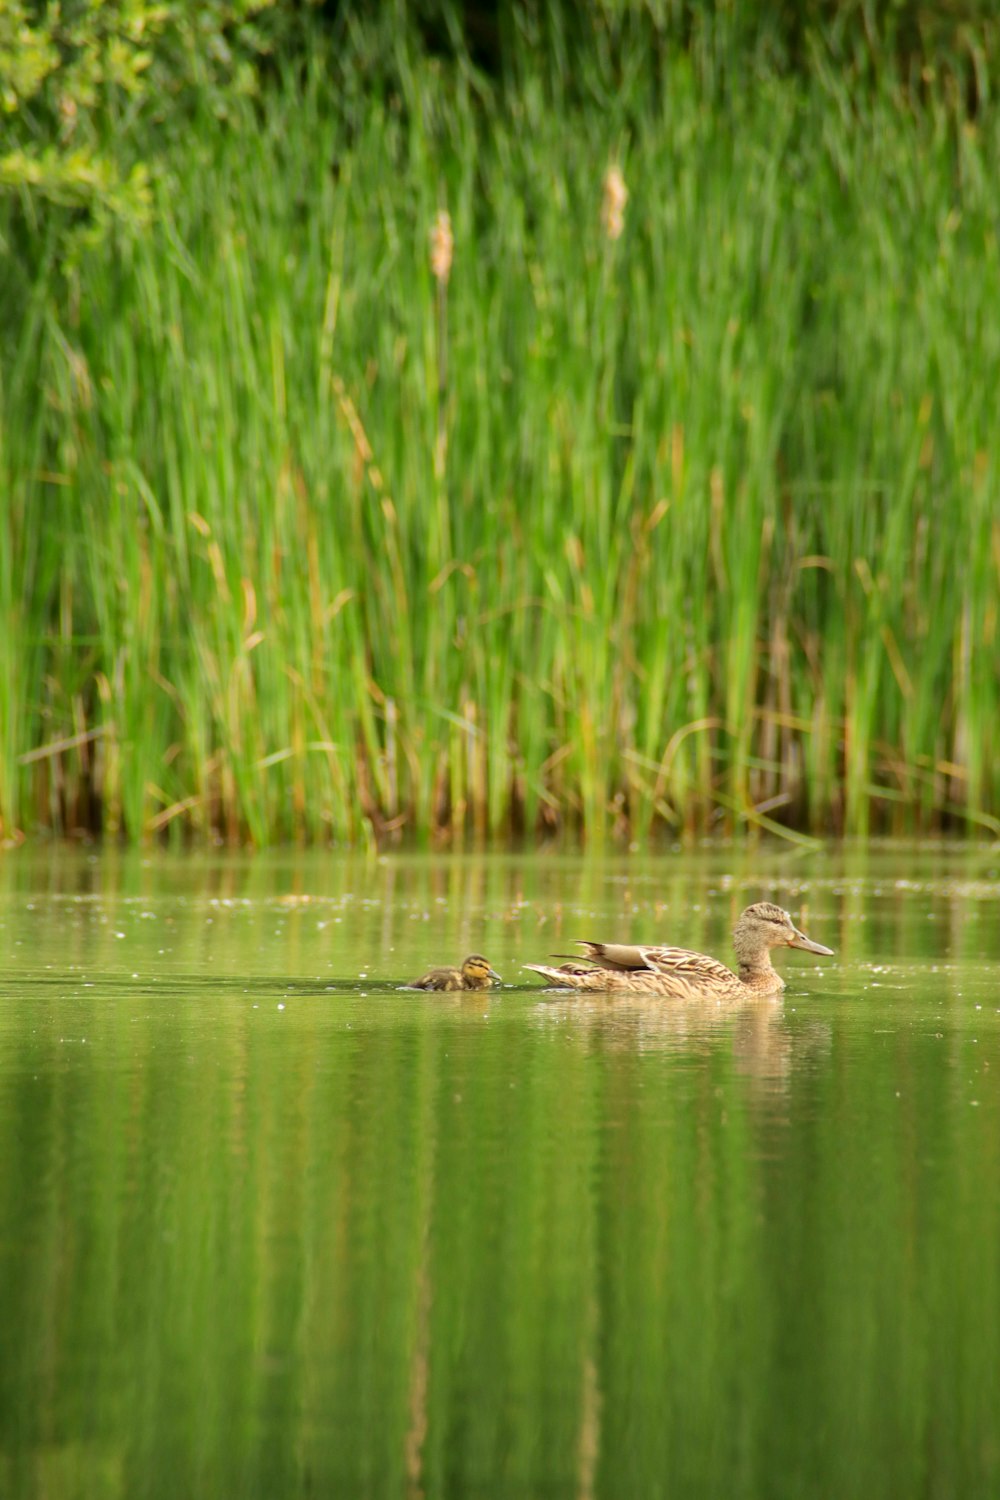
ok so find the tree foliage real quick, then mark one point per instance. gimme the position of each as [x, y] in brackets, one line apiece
[75, 77]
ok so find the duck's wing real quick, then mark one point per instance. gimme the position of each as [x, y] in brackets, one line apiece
[673, 984]
[682, 963]
[623, 957]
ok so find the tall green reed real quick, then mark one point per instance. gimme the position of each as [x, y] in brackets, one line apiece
[655, 528]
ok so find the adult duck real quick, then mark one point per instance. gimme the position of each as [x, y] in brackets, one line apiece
[679, 974]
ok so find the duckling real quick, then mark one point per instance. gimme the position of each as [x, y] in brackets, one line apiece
[475, 974]
[679, 974]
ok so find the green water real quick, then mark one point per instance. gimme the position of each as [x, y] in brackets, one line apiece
[271, 1228]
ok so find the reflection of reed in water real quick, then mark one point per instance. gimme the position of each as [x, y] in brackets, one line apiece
[419, 1380]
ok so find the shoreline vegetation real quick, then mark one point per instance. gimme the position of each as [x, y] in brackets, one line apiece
[605, 442]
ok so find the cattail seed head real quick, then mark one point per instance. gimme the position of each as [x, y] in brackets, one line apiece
[442, 246]
[613, 205]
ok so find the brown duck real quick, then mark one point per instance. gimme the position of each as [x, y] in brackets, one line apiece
[680, 974]
[475, 974]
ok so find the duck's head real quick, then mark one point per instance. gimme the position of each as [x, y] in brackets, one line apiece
[764, 926]
[476, 970]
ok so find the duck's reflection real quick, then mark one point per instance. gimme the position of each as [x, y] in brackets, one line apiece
[765, 1042]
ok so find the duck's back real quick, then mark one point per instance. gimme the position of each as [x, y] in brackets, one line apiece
[439, 979]
[685, 964]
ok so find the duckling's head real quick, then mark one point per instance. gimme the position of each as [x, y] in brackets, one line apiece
[476, 972]
[764, 926]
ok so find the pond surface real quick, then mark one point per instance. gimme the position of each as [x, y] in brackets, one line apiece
[270, 1227]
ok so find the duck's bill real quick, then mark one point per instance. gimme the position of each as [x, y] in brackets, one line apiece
[496, 976]
[808, 946]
